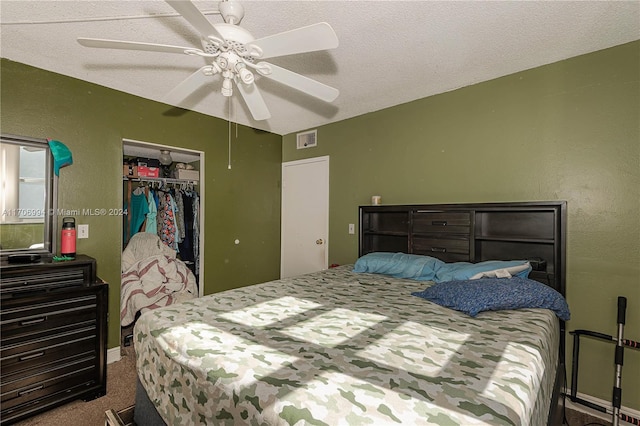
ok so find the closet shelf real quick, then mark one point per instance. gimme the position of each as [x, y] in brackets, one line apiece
[163, 180]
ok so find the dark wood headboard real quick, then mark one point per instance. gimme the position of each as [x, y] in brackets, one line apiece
[534, 231]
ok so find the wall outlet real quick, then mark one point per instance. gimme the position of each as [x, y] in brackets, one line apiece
[83, 231]
[352, 228]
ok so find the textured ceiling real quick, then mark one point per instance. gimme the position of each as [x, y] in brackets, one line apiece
[390, 52]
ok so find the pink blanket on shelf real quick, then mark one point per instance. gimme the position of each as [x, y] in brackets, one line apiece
[153, 282]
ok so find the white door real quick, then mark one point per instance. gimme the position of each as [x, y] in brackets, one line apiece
[305, 216]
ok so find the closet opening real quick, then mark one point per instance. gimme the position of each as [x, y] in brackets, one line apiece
[162, 238]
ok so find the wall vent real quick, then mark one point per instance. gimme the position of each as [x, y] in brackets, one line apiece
[307, 139]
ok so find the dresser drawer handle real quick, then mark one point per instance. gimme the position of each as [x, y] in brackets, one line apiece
[439, 222]
[438, 249]
[24, 392]
[33, 321]
[27, 357]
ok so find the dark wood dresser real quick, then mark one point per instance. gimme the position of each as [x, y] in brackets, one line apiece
[53, 341]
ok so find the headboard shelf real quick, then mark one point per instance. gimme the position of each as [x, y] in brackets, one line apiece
[514, 239]
[473, 232]
[391, 233]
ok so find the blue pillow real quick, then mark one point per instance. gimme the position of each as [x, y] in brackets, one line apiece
[399, 265]
[426, 268]
[494, 294]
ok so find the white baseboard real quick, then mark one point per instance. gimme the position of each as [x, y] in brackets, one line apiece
[113, 355]
[607, 404]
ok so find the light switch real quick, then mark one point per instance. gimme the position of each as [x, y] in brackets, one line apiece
[352, 228]
[83, 231]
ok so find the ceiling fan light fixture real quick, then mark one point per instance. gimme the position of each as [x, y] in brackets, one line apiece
[227, 87]
[246, 76]
[165, 157]
[222, 62]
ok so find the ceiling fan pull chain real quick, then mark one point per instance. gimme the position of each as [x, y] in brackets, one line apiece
[229, 164]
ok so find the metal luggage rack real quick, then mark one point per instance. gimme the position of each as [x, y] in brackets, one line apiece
[621, 344]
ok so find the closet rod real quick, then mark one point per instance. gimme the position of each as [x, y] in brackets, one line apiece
[163, 180]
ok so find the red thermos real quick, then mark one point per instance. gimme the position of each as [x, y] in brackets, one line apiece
[68, 240]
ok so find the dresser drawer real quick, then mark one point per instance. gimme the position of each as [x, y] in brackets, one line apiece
[32, 354]
[30, 407]
[428, 222]
[55, 325]
[22, 318]
[18, 375]
[46, 281]
[449, 249]
[40, 384]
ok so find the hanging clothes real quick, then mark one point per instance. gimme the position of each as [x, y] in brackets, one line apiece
[174, 206]
[151, 226]
[196, 229]
[166, 220]
[180, 217]
[170, 213]
[137, 210]
[186, 245]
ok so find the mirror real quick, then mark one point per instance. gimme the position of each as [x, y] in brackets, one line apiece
[28, 196]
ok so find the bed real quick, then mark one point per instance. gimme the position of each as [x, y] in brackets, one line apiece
[355, 348]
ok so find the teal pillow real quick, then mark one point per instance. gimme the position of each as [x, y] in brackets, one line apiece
[399, 265]
[427, 268]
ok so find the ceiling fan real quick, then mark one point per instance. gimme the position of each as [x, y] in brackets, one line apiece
[233, 53]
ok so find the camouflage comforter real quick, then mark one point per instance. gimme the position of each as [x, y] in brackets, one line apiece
[339, 348]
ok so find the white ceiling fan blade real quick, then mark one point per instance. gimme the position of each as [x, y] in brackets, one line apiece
[192, 14]
[187, 86]
[254, 101]
[132, 45]
[306, 39]
[299, 82]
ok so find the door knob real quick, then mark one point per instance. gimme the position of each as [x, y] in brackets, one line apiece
[319, 241]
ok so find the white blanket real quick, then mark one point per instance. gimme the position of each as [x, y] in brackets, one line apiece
[152, 277]
[141, 246]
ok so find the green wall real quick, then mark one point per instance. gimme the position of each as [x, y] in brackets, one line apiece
[242, 203]
[566, 131]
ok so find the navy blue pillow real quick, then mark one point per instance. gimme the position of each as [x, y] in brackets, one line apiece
[494, 294]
